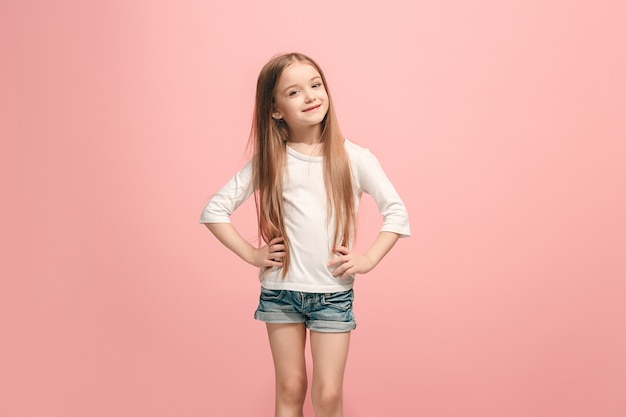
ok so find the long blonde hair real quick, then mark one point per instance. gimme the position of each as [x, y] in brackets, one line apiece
[269, 140]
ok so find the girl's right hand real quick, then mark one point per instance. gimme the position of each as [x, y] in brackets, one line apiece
[269, 255]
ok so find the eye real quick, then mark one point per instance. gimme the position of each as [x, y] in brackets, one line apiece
[293, 93]
[316, 85]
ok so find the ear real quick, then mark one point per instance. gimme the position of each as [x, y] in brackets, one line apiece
[277, 115]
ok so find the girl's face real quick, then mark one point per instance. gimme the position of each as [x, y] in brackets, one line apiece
[300, 98]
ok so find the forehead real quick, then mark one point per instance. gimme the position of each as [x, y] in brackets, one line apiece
[297, 72]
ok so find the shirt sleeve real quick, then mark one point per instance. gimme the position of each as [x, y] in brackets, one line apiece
[232, 195]
[373, 181]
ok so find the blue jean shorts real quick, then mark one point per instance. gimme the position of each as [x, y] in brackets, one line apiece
[320, 312]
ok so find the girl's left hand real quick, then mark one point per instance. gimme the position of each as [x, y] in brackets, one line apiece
[348, 263]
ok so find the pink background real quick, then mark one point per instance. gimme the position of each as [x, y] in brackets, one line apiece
[502, 125]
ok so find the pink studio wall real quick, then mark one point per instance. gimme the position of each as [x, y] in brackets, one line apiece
[502, 124]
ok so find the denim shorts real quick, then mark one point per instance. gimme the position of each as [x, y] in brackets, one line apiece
[320, 312]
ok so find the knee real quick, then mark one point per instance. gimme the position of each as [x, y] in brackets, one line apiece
[291, 390]
[327, 399]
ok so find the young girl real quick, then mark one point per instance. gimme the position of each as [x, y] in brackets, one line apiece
[307, 181]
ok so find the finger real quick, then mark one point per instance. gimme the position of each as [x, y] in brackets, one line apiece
[342, 249]
[338, 260]
[272, 262]
[346, 273]
[340, 270]
[277, 248]
[276, 240]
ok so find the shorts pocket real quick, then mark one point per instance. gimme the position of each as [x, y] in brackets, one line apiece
[340, 300]
[269, 295]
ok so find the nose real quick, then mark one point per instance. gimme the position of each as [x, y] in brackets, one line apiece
[309, 95]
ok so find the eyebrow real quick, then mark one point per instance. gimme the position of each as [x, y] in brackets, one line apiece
[295, 85]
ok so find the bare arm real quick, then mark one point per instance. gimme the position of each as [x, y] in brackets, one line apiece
[352, 263]
[267, 256]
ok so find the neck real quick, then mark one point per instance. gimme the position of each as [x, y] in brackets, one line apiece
[309, 135]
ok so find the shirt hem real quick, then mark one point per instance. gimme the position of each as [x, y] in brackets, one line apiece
[307, 288]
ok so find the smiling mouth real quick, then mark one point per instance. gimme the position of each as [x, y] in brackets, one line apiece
[312, 108]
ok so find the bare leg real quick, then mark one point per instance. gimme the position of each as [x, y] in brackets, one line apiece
[330, 353]
[287, 344]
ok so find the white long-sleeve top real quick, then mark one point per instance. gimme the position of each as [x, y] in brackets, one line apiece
[309, 230]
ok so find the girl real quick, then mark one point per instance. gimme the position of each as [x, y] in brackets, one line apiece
[307, 181]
